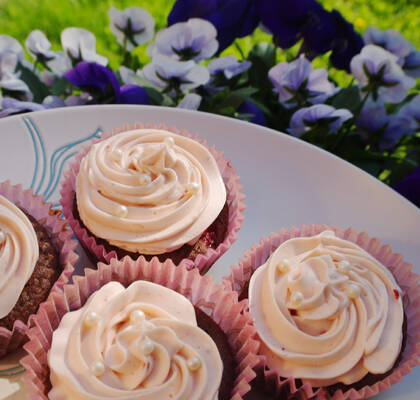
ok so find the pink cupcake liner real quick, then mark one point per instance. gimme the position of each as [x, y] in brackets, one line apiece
[220, 304]
[407, 280]
[60, 236]
[203, 261]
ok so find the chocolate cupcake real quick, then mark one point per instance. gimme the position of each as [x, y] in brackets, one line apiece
[171, 334]
[331, 322]
[31, 260]
[153, 192]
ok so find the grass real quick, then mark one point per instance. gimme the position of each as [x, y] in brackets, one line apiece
[19, 17]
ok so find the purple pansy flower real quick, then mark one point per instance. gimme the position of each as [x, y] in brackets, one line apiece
[298, 82]
[390, 40]
[411, 111]
[257, 116]
[308, 118]
[288, 20]
[11, 106]
[374, 121]
[346, 44]
[191, 40]
[409, 187]
[411, 64]
[229, 66]
[379, 74]
[231, 18]
[101, 83]
[133, 94]
[94, 79]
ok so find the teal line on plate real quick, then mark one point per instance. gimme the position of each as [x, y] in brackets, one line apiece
[57, 178]
[60, 153]
[12, 374]
[17, 370]
[31, 125]
[35, 151]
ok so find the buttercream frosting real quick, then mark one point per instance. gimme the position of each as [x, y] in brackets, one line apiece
[326, 311]
[19, 254]
[149, 191]
[138, 343]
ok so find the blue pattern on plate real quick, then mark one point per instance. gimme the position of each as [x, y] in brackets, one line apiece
[57, 161]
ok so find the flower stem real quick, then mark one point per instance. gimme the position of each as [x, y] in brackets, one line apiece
[238, 47]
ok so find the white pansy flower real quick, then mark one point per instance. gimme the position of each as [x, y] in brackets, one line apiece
[39, 46]
[229, 66]
[9, 79]
[11, 45]
[191, 40]
[80, 44]
[190, 102]
[128, 76]
[60, 64]
[132, 27]
[53, 102]
[168, 73]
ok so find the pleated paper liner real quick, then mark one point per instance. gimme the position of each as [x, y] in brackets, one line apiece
[203, 261]
[283, 388]
[217, 302]
[60, 236]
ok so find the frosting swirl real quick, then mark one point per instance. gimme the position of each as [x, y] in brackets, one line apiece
[326, 311]
[136, 343]
[19, 253]
[149, 191]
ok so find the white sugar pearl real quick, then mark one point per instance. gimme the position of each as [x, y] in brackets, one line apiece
[2, 237]
[147, 347]
[343, 267]
[283, 266]
[117, 154]
[144, 179]
[193, 187]
[121, 211]
[91, 319]
[137, 316]
[353, 291]
[97, 368]
[169, 141]
[193, 363]
[296, 298]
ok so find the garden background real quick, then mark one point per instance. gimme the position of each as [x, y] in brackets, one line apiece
[19, 17]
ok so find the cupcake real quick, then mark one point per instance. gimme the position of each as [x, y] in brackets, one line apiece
[36, 256]
[140, 330]
[335, 320]
[153, 192]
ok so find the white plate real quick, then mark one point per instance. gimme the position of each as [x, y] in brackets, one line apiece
[286, 181]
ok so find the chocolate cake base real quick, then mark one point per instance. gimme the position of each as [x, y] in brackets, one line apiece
[211, 238]
[36, 290]
[219, 337]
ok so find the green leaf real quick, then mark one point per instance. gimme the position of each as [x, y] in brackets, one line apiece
[348, 98]
[155, 97]
[38, 89]
[60, 86]
[235, 98]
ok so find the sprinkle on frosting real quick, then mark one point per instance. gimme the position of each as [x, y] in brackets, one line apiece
[19, 253]
[149, 191]
[145, 345]
[314, 322]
